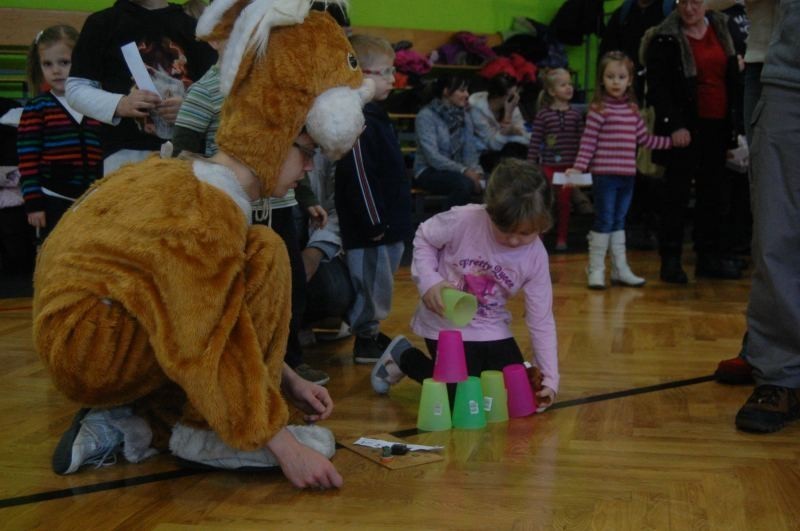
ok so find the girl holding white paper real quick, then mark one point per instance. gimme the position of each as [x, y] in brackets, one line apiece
[556, 132]
[613, 131]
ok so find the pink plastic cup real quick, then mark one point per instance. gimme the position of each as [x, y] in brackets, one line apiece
[521, 401]
[450, 365]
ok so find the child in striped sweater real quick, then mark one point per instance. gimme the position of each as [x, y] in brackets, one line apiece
[613, 130]
[554, 141]
[58, 148]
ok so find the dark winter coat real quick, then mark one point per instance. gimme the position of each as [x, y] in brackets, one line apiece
[672, 76]
[373, 191]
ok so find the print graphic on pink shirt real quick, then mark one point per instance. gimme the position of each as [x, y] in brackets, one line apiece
[480, 285]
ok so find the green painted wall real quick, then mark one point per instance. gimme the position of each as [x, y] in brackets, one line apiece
[479, 16]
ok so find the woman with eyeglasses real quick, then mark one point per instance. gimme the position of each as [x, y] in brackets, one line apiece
[446, 161]
[694, 85]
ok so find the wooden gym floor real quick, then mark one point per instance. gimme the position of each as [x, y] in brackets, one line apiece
[641, 437]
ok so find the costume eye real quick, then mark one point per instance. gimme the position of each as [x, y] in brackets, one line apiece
[352, 61]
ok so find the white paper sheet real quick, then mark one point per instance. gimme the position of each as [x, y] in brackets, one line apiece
[380, 443]
[581, 179]
[138, 70]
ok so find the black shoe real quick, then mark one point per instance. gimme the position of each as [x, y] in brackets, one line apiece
[383, 340]
[715, 267]
[768, 409]
[671, 270]
[367, 349]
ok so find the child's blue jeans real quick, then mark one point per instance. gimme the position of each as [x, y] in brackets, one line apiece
[612, 198]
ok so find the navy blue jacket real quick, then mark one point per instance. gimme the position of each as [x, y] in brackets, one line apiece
[373, 191]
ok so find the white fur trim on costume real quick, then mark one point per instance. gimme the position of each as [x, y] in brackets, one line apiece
[205, 446]
[224, 179]
[335, 121]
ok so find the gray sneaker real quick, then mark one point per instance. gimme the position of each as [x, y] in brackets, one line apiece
[386, 371]
[307, 372]
[90, 440]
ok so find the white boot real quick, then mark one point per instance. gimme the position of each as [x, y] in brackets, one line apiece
[620, 272]
[205, 447]
[598, 245]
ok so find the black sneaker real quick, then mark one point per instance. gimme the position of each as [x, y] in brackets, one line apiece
[368, 349]
[768, 409]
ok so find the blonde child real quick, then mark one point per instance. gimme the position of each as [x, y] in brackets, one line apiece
[613, 130]
[58, 147]
[556, 133]
[373, 201]
[492, 251]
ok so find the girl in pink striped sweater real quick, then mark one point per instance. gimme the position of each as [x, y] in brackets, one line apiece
[613, 131]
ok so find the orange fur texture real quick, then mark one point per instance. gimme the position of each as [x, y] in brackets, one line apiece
[260, 117]
[155, 277]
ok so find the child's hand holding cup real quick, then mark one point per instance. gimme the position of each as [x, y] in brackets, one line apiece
[432, 299]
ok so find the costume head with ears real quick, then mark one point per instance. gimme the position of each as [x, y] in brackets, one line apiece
[283, 68]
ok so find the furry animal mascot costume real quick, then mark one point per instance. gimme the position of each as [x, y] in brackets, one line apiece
[156, 303]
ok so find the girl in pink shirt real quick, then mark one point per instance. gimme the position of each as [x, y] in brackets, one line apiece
[613, 131]
[492, 251]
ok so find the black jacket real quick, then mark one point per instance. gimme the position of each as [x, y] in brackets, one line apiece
[672, 77]
[373, 191]
[167, 43]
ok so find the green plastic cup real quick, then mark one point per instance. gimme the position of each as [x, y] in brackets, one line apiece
[434, 407]
[495, 397]
[468, 408]
[459, 306]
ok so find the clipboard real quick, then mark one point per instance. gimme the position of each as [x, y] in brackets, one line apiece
[398, 461]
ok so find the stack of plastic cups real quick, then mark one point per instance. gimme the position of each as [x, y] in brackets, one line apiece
[450, 367]
[495, 397]
[521, 401]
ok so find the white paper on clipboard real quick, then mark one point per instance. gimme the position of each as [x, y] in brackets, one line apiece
[580, 179]
[138, 70]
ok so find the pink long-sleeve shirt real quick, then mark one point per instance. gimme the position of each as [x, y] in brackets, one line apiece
[458, 246]
[608, 144]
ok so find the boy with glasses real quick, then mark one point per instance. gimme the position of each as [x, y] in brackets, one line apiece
[373, 199]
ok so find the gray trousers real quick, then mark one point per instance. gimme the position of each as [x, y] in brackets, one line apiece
[773, 314]
[372, 272]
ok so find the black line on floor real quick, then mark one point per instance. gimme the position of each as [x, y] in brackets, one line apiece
[631, 392]
[185, 472]
[99, 487]
[597, 398]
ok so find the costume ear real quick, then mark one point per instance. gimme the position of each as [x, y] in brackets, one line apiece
[217, 20]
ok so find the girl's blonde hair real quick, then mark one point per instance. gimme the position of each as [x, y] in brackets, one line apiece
[599, 91]
[47, 37]
[518, 195]
[549, 77]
